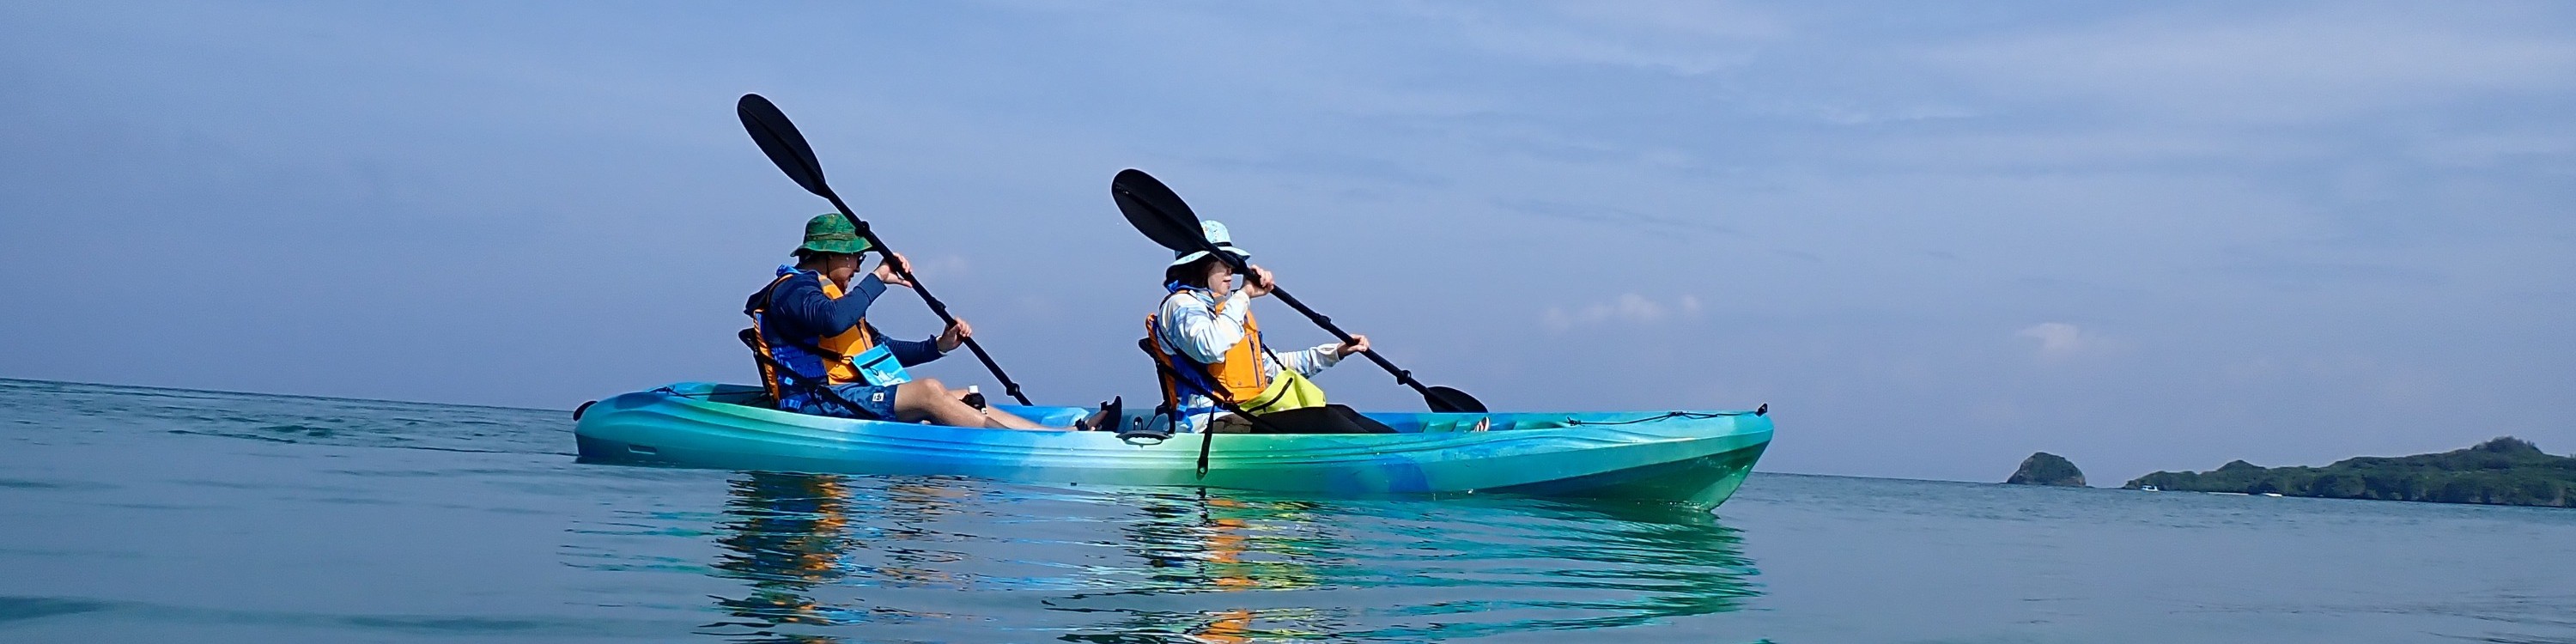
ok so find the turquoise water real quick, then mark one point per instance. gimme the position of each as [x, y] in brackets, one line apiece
[131, 515]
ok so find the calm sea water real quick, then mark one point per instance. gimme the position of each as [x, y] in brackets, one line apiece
[132, 515]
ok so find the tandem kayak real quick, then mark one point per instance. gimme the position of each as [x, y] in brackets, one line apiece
[1693, 458]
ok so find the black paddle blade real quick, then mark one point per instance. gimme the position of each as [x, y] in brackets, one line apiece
[1451, 401]
[785, 146]
[1156, 211]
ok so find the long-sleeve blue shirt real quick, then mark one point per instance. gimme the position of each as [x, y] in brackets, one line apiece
[804, 315]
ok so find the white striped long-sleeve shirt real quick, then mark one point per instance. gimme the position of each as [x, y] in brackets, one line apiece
[1191, 324]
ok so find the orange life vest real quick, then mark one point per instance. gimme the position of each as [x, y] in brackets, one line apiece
[829, 355]
[1237, 376]
[855, 341]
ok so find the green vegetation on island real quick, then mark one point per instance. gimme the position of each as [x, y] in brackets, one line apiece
[2043, 468]
[2504, 471]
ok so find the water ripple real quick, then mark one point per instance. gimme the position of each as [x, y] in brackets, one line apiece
[25, 608]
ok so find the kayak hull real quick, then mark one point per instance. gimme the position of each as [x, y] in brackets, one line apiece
[1693, 458]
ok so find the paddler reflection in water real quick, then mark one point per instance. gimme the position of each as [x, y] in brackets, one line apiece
[786, 535]
[1223, 544]
[1212, 360]
[819, 355]
[794, 535]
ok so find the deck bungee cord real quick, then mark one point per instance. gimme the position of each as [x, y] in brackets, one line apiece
[1765, 409]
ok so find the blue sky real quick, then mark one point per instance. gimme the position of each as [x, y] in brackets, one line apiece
[1935, 238]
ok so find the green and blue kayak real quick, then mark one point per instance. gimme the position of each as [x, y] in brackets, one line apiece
[1692, 458]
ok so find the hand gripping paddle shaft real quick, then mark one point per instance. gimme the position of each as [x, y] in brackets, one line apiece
[785, 146]
[1159, 213]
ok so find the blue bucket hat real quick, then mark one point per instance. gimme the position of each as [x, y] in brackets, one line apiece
[1216, 234]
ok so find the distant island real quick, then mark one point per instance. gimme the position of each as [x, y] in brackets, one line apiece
[2504, 471]
[2043, 468]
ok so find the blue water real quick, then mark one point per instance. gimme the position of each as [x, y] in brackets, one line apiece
[149, 515]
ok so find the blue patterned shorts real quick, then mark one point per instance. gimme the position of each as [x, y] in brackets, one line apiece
[876, 402]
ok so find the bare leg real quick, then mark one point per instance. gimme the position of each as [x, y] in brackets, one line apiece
[927, 399]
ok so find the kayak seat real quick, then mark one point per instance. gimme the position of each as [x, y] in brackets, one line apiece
[750, 338]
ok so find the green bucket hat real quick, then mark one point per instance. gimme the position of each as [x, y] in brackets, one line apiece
[832, 233]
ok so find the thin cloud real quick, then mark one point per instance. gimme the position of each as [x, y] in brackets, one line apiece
[2057, 340]
[1680, 38]
[2300, 68]
[1615, 217]
[1629, 308]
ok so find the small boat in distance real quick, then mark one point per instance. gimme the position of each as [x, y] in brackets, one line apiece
[2150, 488]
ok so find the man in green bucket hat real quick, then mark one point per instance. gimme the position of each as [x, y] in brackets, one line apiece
[819, 355]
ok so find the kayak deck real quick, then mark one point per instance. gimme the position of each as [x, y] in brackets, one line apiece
[1695, 458]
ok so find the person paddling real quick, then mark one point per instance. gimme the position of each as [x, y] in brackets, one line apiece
[1212, 359]
[819, 355]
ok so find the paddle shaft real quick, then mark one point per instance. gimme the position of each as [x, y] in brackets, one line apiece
[936, 307]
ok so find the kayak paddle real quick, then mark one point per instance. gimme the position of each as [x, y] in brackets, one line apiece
[1159, 213]
[786, 147]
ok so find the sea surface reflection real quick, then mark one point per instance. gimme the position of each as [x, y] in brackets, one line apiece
[823, 558]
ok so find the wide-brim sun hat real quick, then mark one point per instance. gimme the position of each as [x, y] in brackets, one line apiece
[832, 233]
[1216, 234]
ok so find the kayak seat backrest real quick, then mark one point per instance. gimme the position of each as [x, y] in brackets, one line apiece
[1163, 376]
[751, 340]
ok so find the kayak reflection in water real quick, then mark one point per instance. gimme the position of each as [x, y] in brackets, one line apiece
[908, 507]
[882, 559]
[1243, 570]
[791, 535]
[787, 537]
[1229, 545]
[1212, 543]
[818, 354]
[1209, 353]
